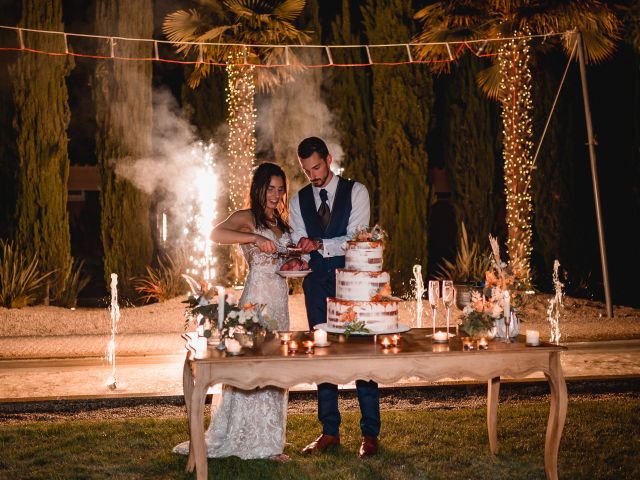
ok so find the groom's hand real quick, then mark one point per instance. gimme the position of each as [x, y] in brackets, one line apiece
[307, 245]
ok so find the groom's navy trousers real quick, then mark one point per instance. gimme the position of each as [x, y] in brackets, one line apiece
[319, 285]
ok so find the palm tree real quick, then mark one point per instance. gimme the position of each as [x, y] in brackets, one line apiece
[234, 26]
[509, 79]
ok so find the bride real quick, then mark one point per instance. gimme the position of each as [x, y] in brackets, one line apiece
[252, 424]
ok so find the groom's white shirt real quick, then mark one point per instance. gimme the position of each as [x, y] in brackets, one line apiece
[359, 217]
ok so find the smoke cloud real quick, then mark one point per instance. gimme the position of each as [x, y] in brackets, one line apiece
[175, 172]
[292, 112]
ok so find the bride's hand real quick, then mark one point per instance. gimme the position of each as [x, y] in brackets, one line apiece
[265, 245]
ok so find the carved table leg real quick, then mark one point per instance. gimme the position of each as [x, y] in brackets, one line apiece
[557, 415]
[197, 446]
[493, 394]
[187, 386]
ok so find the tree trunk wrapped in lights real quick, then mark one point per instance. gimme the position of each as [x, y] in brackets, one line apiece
[41, 119]
[242, 131]
[515, 98]
[241, 145]
[122, 94]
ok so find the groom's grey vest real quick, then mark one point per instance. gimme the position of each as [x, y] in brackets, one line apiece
[340, 213]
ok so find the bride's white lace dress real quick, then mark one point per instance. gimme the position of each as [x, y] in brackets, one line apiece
[252, 423]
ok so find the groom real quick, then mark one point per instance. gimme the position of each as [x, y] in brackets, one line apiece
[323, 215]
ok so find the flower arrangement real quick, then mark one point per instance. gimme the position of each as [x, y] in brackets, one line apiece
[203, 307]
[365, 234]
[506, 277]
[502, 293]
[480, 315]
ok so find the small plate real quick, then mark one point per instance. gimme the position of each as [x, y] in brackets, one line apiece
[321, 345]
[293, 273]
[235, 354]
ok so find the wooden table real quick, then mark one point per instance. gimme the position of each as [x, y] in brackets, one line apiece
[359, 358]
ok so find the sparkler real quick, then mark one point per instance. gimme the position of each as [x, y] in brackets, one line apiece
[202, 212]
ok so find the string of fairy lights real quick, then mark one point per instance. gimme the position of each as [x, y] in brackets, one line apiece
[240, 95]
[515, 97]
[514, 94]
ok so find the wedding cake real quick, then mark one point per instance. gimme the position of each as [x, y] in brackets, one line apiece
[363, 291]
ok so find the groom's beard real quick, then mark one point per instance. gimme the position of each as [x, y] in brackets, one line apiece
[319, 182]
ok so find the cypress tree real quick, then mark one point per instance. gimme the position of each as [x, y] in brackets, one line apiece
[122, 95]
[553, 175]
[469, 148]
[41, 120]
[8, 147]
[351, 99]
[402, 100]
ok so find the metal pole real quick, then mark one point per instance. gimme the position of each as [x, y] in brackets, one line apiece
[594, 177]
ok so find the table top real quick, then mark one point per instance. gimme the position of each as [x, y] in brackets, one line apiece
[416, 342]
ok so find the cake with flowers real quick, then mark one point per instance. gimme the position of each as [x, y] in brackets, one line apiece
[363, 290]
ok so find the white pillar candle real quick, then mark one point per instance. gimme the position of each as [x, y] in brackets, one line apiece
[506, 304]
[320, 337]
[533, 337]
[220, 307]
[200, 345]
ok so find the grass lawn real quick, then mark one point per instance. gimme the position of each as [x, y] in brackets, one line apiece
[601, 439]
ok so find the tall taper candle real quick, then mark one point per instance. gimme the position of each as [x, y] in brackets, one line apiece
[220, 308]
[507, 304]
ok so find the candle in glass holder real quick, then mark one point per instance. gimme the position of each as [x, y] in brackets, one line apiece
[533, 337]
[395, 340]
[293, 346]
[468, 344]
[483, 344]
[233, 346]
[386, 343]
[320, 337]
[308, 346]
[285, 338]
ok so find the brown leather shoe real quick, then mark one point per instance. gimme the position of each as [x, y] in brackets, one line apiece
[369, 447]
[321, 443]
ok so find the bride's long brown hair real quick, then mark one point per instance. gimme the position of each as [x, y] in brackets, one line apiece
[258, 195]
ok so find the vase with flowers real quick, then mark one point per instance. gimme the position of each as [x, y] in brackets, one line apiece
[248, 323]
[479, 316]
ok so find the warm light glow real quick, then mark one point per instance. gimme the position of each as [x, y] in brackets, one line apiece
[242, 124]
[241, 141]
[515, 97]
[202, 212]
